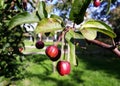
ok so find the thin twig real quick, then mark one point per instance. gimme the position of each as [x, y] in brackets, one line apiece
[112, 48]
[62, 35]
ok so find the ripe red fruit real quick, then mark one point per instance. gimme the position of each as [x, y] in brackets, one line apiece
[53, 52]
[63, 68]
[20, 49]
[57, 57]
[96, 3]
[39, 44]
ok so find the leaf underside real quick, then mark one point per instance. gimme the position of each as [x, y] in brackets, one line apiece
[96, 26]
[89, 34]
[48, 25]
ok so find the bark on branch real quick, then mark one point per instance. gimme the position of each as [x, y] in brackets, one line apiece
[112, 48]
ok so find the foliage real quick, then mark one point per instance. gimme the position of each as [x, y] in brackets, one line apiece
[114, 20]
[78, 10]
[94, 26]
[10, 42]
[48, 25]
[13, 14]
[92, 70]
[22, 18]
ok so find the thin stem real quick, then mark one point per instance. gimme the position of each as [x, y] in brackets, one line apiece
[74, 25]
[62, 35]
[113, 42]
[62, 49]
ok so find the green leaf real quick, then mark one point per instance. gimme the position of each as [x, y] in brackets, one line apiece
[22, 18]
[95, 25]
[1, 4]
[108, 7]
[42, 10]
[78, 35]
[48, 25]
[78, 10]
[70, 39]
[56, 17]
[89, 34]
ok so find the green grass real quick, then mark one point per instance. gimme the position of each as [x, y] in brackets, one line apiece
[92, 70]
[31, 50]
[96, 67]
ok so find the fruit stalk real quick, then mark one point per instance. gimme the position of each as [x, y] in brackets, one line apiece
[62, 35]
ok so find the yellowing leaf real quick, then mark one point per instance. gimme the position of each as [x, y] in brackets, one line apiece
[89, 34]
[48, 25]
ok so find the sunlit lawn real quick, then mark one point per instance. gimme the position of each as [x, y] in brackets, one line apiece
[94, 69]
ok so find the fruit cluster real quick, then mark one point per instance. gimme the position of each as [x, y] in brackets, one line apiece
[54, 53]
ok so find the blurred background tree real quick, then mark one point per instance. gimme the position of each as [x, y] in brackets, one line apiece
[10, 40]
[115, 21]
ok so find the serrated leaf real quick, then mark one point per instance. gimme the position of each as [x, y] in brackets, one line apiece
[95, 25]
[89, 34]
[48, 25]
[42, 10]
[70, 39]
[22, 18]
[78, 10]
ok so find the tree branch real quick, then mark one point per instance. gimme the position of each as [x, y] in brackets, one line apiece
[112, 48]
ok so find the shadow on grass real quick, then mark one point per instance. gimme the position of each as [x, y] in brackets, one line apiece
[46, 74]
[95, 59]
[100, 59]
[36, 58]
[74, 79]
